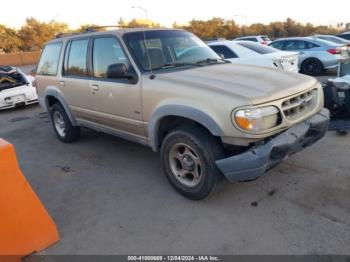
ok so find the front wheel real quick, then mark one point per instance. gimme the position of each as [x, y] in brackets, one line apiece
[188, 157]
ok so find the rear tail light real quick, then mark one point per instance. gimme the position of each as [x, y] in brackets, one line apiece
[264, 43]
[334, 51]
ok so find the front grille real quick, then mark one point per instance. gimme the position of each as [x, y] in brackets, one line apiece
[299, 105]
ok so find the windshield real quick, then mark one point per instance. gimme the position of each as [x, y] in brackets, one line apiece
[260, 49]
[168, 48]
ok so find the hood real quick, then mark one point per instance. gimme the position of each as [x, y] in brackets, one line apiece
[256, 84]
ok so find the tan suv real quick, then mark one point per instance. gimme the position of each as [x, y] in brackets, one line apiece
[167, 89]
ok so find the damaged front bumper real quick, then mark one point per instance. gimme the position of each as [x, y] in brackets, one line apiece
[257, 160]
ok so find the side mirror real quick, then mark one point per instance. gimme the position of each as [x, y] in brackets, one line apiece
[117, 71]
[122, 71]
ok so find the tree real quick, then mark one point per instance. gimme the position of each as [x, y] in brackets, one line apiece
[292, 28]
[138, 23]
[215, 27]
[276, 30]
[9, 41]
[35, 33]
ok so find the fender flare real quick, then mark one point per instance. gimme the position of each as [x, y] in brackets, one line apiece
[56, 93]
[181, 111]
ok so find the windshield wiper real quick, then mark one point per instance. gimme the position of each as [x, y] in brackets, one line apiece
[211, 61]
[198, 63]
[178, 64]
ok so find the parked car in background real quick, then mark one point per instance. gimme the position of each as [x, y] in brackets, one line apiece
[245, 52]
[16, 88]
[345, 35]
[209, 40]
[316, 54]
[335, 39]
[261, 39]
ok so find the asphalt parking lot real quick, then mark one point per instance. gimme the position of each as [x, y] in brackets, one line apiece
[109, 196]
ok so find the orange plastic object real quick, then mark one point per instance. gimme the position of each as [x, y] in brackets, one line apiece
[25, 225]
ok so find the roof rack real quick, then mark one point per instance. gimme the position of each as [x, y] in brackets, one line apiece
[89, 30]
[68, 34]
[93, 28]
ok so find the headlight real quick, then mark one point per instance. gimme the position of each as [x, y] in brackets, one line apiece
[257, 119]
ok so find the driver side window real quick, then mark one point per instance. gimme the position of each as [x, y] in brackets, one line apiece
[107, 51]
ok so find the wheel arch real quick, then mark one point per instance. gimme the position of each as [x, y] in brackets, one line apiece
[53, 95]
[178, 112]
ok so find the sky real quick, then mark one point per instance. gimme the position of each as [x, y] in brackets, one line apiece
[166, 12]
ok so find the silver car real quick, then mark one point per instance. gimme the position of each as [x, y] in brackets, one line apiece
[261, 39]
[335, 39]
[345, 35]
[316, 54]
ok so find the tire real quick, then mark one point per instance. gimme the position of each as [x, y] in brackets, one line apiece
[177, 150]
[63, 127]
[312, 67]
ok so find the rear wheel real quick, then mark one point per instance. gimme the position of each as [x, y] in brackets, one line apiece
[188, 157]
[63, 127]
[312, 66]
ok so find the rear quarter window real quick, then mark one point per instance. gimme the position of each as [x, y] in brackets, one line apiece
[49, 60]
[224, 51]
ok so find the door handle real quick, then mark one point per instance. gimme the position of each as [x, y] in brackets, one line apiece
[62, 83]
[95, 87]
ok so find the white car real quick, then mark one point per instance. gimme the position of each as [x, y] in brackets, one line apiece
[16, 88]
[261, 39]
[244, 52]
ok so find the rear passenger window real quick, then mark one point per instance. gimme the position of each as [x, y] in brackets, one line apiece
[76, 63]
[107, 51]
[310, 45]
[49, 60]
[277, 45]
[224, 51]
